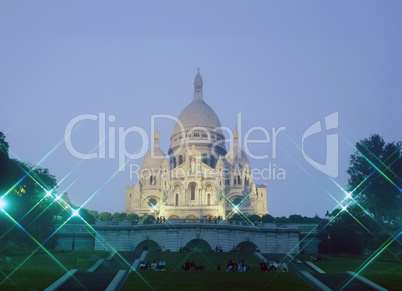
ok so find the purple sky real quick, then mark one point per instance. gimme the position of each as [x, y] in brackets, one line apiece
[279, 63]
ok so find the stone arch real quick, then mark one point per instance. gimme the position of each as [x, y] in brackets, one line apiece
[247, 247]
[191, 216]
[199, 245]
[174, 216]
[208, 186]
[233, 197]
[147, 244]
[176, 187]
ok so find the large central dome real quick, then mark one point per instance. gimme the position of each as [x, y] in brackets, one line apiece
[197, 113]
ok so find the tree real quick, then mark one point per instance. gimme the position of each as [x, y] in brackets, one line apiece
[105, 216]
[254, 218]
[376, 177]
[374, 183]
[119, 216]
[237, 217]
[26, 189]
[295, 218]
[4, 161]
[347, 232]
[282, 219]
[94, 214]
[267, 218]
[132, 217]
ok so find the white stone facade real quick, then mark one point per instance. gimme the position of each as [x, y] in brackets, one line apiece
[198, 177]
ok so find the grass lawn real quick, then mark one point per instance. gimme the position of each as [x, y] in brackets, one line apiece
[40, 270]
[174, 278]
[387, 274]
[209, 260]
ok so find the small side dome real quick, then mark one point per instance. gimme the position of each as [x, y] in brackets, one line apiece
[236, 156]
[220, 164]
[155, 158]
[166, 164]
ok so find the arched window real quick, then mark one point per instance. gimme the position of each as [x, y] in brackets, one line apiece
[205, 159]
[192, 191]
[209, 199]
[236, 201]
[173, 162]
[152, 202]
[180, 159]
[212, 161]
[151, 182]
[238, 180]
[176, 202]
[234, 180]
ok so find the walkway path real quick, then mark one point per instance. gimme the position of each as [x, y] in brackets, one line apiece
[320, 280]
[101, 278]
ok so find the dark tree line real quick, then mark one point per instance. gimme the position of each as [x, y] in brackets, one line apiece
[27, 214]
[23, 188]
[373, 216]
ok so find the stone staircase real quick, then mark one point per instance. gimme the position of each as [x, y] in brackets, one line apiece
[319, 280]
[341, 281]
[102, 277]
[88, 281]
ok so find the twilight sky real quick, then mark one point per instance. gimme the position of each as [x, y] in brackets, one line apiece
[279, 63]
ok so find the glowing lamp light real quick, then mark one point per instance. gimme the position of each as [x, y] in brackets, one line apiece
[76, 212]
[2, 204]
[348, 195]
[344, 208]
[236, 209]
[48, 193]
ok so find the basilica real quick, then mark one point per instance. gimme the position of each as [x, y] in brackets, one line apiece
[198, 177]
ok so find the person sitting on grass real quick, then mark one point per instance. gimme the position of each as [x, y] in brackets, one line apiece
[263, 266]
[274, 266]
[243, 266]
[142, 266]
[154, 266]
[239, 268]
[186, 266]
[229, 266]
[192, 266]
[284, 267]
[234, 266]
[161, 265]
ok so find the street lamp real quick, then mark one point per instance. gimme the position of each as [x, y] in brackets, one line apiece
[329, 244]
[75, 213]
[3, 204]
